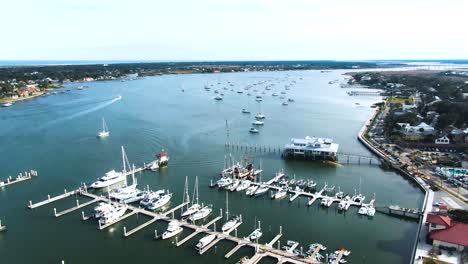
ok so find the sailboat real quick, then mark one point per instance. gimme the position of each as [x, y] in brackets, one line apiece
[231, 222]
[105, 131]
[195, 207]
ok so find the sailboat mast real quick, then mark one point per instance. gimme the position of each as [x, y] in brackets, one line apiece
[227, 206]
[196, 185]
[123, 159]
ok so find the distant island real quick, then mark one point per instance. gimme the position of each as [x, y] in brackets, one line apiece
[24, 82]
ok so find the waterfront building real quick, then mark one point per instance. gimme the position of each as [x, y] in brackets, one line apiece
[314, 148]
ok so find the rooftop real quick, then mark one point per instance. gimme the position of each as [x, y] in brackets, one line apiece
[455, 234]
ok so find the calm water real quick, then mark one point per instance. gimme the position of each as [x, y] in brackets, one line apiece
[56, 136]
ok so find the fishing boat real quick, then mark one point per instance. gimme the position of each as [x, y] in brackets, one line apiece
[243, 185]
[173, 229]
[201, 214]
[258, 123]
[253, 130]
[7, 104]
[110, 178]
[205, 241]
[245, 111]
[113, 214]
[281, 193]
[160, 202]
[105, 132]
[251, 190]
[262, 190]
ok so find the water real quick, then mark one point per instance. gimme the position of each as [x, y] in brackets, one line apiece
[55, 135]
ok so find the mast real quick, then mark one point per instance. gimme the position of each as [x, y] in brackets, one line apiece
[227, 206]
[103, 125]
[196, 188]
[185, 197]
[123, 159]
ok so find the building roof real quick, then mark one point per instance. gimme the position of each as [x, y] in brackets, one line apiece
[456, 234]
[439, 220]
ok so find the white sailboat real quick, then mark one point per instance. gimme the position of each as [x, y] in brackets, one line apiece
[202, 213]
[105, 131]
[195, 207]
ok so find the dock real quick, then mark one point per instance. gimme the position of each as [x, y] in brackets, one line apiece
[261, 249]
[20, 178]
[78, 206]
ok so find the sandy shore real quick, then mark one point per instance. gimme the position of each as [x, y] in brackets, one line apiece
[9, 100]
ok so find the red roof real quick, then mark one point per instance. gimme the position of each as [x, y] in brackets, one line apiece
[162, 155]
[439, 219]
[456, 234]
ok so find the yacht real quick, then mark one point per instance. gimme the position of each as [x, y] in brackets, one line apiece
[105, 132]
[110, 178]
[224, 181]
[234, 185]
[262, 190]
[358, 198]
[101, 209]
[205, 241]
[253, 130]
[151, 196]
[172, 229]
[7, 104]
[256, 234]
[363, 210]
[201, 214]
[258, 123]
[218, 98]
[371, 211]
[230, 224]
[160, 202]
[251, 190]
[113, 214]
[260, 116]
[243, 185]
[136, 197]
[281, 193]
[245, 111]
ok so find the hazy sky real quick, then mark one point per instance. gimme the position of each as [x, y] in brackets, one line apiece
[233, 29]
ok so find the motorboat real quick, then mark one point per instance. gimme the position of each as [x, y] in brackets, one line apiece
[281, 193]
[315, 245]
[201, 214]
[260, 116]
[371, 211]
[290, 100]
[258, 98]
[224, 181]
[285, 103]
[160, 202]
[230, 224]
[253, 130]
[150, 197]
[218, 98]
[123, 192]
[110, 178]
[173, 229]
[243, 185]
[7, 104]
[251, 190]
[136, 197]
[105, 131]
[205, 241]
[358, 198]
[101, 209]
[262, 190]
[113, 214]
[245, 111]
[191, 210]
[258, 123]
[162, 159]
[274, 94]
[256, 234]
[363, 210]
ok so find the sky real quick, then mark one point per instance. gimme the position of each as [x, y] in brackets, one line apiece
[233, 29]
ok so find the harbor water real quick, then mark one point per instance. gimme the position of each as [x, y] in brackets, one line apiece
[56, 135]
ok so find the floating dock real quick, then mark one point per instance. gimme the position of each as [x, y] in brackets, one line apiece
[20, 178]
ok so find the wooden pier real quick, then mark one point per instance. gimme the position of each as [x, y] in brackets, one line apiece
[343, 158]
[261, 249]
[20, 178]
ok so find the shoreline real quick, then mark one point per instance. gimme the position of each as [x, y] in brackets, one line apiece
[19, 99]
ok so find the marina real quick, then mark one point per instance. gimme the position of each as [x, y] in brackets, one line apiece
[20, 178]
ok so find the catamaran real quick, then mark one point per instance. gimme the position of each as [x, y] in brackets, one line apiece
[172, 229]
[105, 131]
[160, 202]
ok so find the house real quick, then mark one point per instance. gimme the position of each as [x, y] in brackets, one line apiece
[444, 232]
[443, 140]
[88, 79]
[421, 129]
[406, 107]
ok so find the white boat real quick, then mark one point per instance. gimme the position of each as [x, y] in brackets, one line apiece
[110, 178]
[151, 196]
[281, 193]
[285, 103]
[113, 214]
[230, 224]
[363, 210]
[105, 132]
[218, 98]
[371, 211]
[224, 181]
[172, 229]
[260, 116]
[243, 185]
[195, 207]
[154, 166]
[202, 213]
[101, 209]
[253, 130]
[118, 98]
[136, 197]
[258, 98]
[251, 190]
[358, 198]
[205, 241]
[234, 185]
[258, 123]
[122, 192]
[262, 190]
[256, 234]
[160, 202]
[191, 210]
[7, 104]
[274, 94]
[245, 111]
